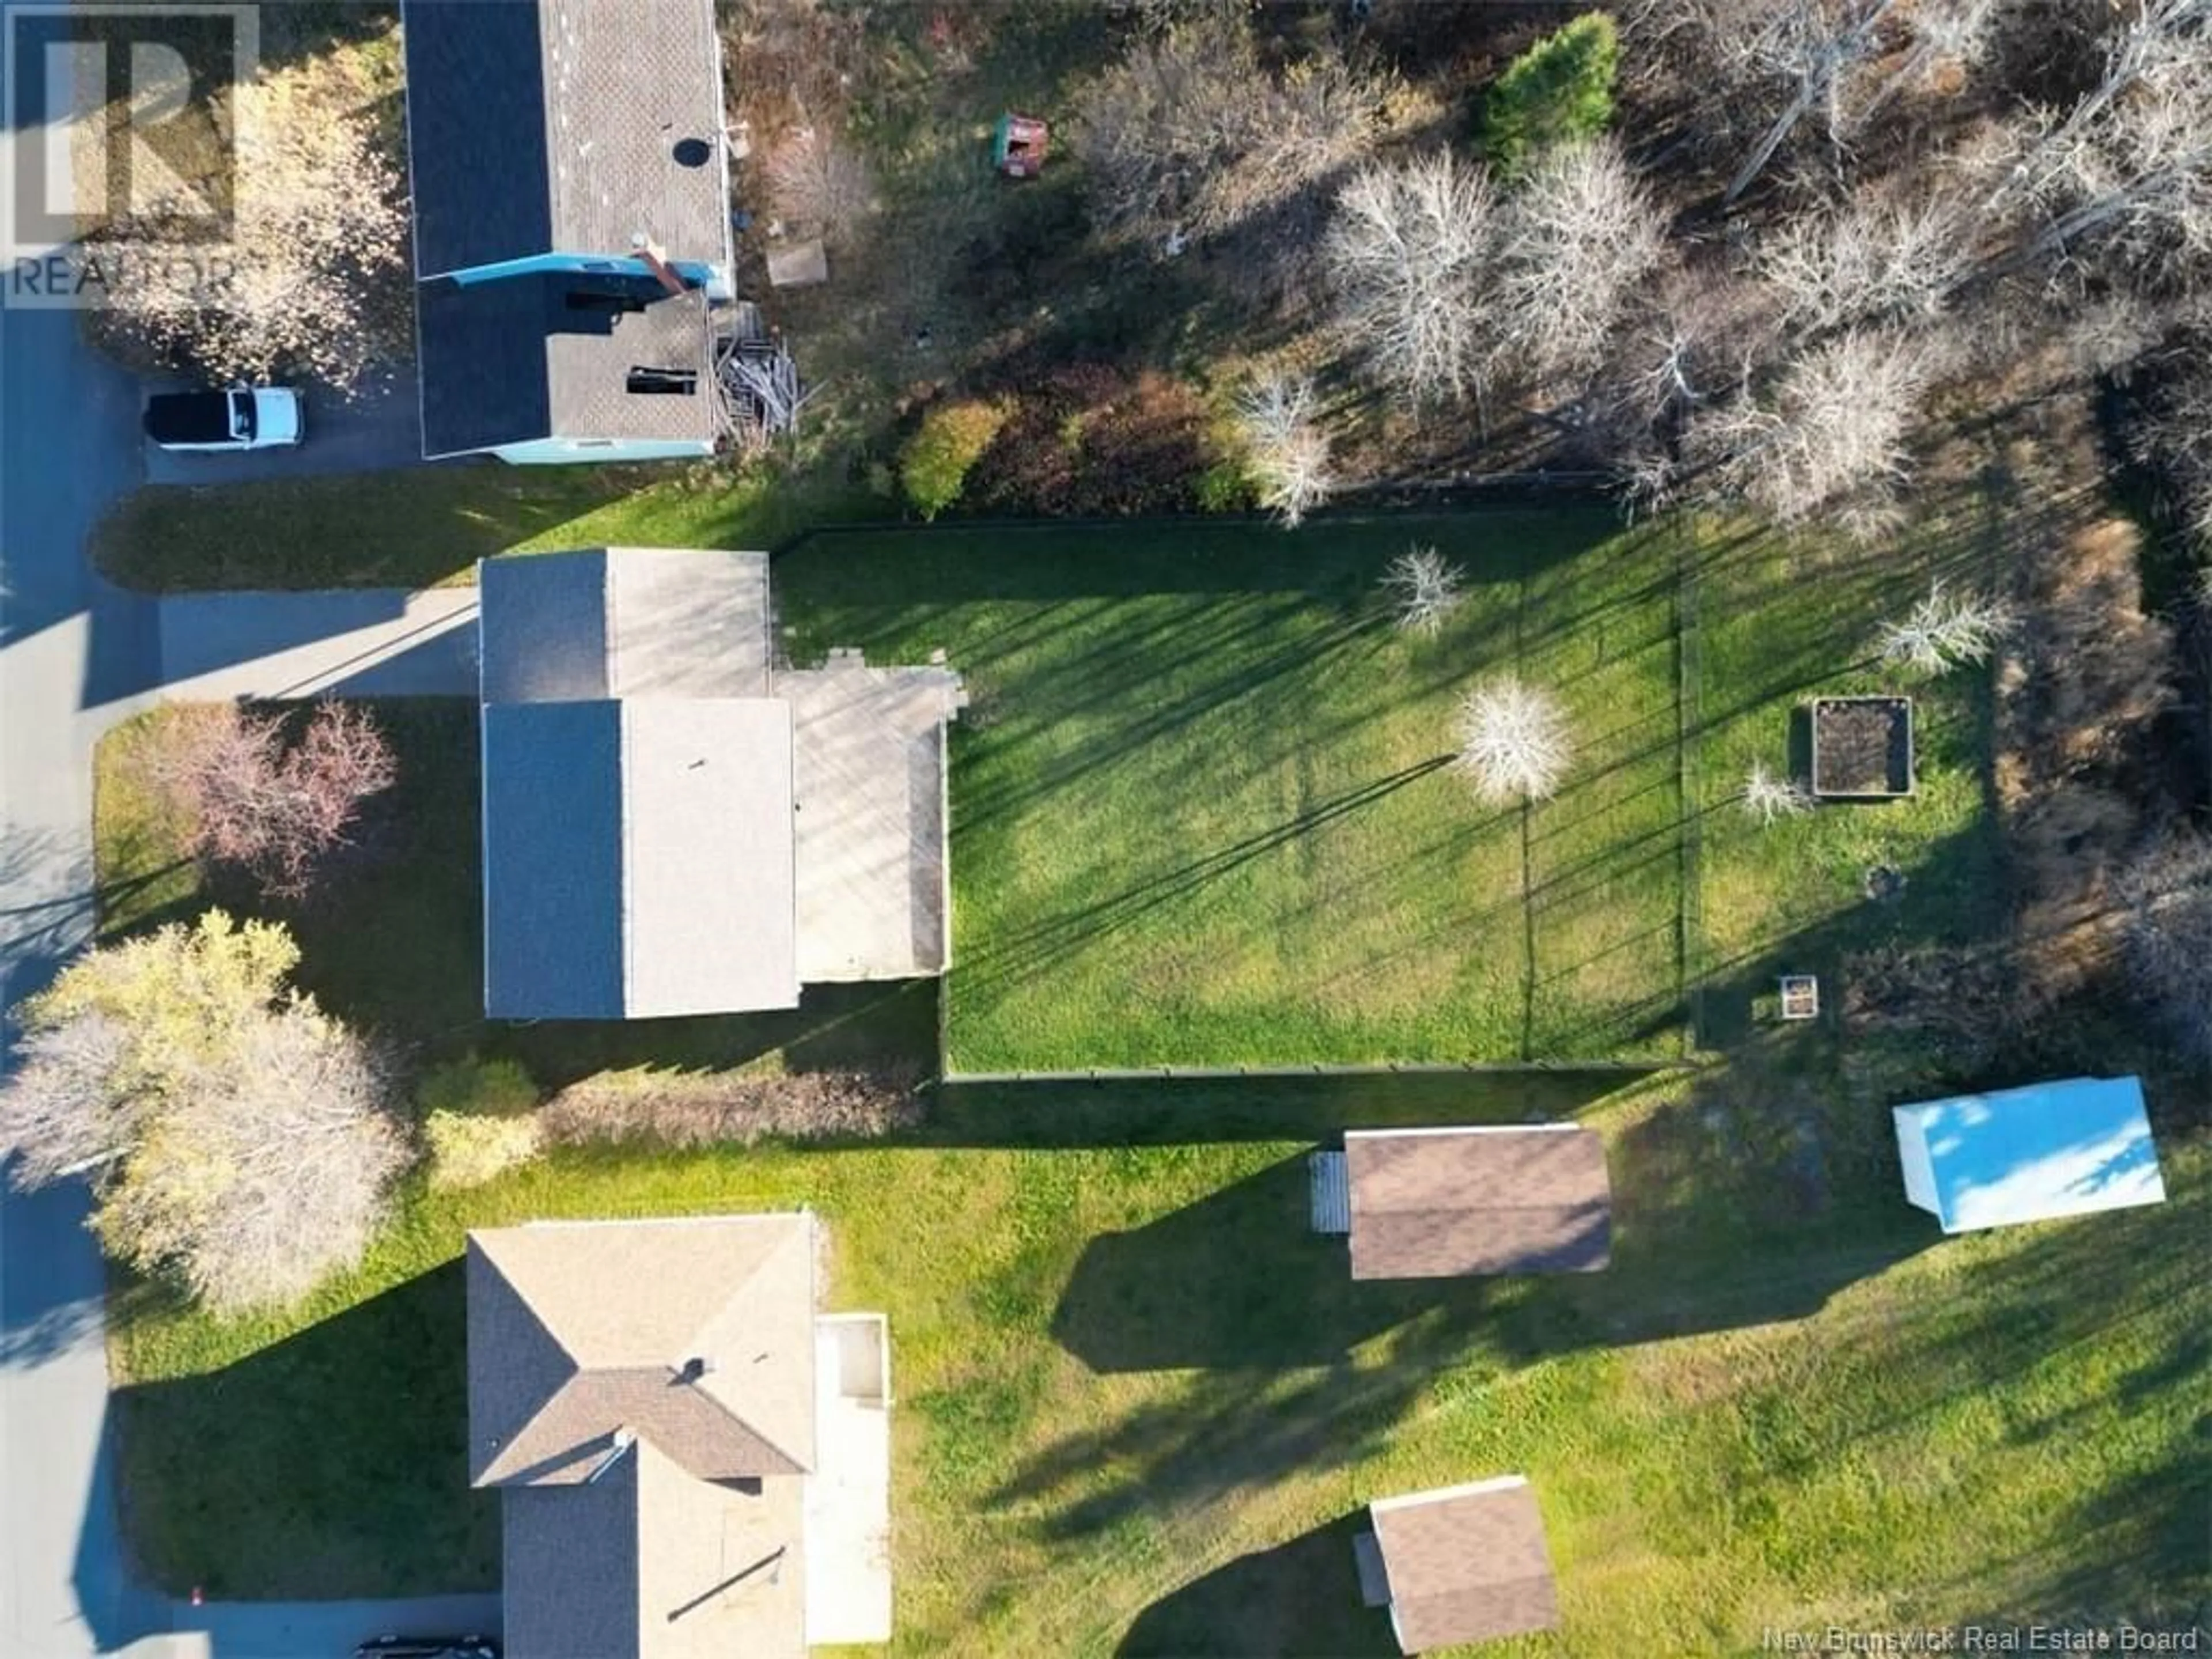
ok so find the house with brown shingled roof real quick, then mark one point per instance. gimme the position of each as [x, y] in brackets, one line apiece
[691, 1461]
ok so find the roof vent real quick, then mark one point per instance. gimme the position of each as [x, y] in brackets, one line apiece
[693, 152]
[695, 1368]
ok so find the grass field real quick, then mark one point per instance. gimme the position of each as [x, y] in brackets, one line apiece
[1197, 815]
[428, 525]
[1202, 812]
[1140, 1403]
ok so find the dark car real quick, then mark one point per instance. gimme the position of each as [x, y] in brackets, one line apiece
[429, 1647]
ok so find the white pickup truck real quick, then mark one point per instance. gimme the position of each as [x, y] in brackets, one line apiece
[243, 418]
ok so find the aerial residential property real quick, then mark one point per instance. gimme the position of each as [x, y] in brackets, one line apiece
[1427, 782]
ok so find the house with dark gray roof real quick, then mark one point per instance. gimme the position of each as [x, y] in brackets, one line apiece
[674, 824]
[1459, 1564]
[572, 226]
[1448, 1202]
[690, 1460]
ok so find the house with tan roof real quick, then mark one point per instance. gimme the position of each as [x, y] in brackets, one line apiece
[692, 1460]
[1459, 1564]
[675, 823]
[1437, 1203]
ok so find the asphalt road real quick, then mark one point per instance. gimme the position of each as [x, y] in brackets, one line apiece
[77, 655]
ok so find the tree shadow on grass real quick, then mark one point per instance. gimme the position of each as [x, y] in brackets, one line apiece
[1299, 1600]
[331, 1463]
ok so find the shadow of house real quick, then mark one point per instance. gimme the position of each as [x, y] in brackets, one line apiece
[1299, 1600]
[325, 1465]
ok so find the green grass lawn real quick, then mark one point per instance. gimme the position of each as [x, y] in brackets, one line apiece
[1201, 806]
[426, 526]
[1198, 817]
[1139, 1401]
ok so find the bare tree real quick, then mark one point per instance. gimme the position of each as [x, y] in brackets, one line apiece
[1770, 799]
[1947, 629]
[321, 285]
[1409, 254]
[256, 1183]
[234, 1134]
[252, 801]
[2130, 162]
[1192, 135]
[1513, 741]
[1836, 425]
[2167, 929]
[1424, 588]
[1578, 235]
[1287, 446]
[1873, 258]
[1813, 44]
[817, 181]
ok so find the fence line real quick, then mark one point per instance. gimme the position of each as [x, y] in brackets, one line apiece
[1689, 781]
[1329, 1068]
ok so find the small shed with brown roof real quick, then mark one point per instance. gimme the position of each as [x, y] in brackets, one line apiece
[1448, 1202]
[1460, 1564]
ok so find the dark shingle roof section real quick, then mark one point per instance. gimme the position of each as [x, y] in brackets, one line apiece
[549, 354]
[553, 860]
[481, 354]
[1439, 1203]
[570, 1567]
[545, 628]
[569, 127]
[476, 133]
[1466, 1563]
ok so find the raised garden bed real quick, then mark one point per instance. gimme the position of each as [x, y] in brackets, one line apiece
[1861, 748]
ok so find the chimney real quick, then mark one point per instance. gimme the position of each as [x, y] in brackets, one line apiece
[656, 262]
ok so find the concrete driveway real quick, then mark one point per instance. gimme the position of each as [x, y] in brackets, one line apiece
[378, 427]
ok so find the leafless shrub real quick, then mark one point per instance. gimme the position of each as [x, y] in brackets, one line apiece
[250, 801]
[320, 203]
[1578, 235]
[1424, 588]
[693, 1110]
[1770, 799]
[1836, 425]
[2167, 930]
[1513, 741]
[1947, 629]
[817, 182]
[1872, 258]
[1409, 254]
[1288, 449]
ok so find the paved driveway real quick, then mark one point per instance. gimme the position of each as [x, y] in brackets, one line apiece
[361, 643]
[379, 427]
